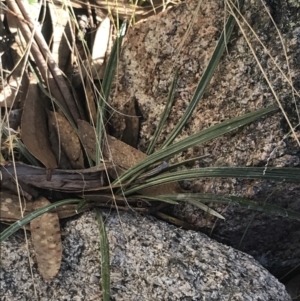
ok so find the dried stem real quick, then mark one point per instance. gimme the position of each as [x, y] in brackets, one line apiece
[48, 68]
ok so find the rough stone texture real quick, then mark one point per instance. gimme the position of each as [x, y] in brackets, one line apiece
[150, 260]
[151, 52]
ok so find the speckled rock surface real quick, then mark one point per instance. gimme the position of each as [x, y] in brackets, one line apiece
[151, 52]
[150, 260]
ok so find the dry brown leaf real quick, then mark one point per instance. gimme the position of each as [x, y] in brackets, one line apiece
[100, 48]
[34, 131]
[87, 136]
[62, 37]
[90, 102]
[8, 94]
[61, 157]
[69, 140]
[124, 156]
[10, 210]
[95, 65]
[46, 238]
[130, 134]
[101, 40]
[117, 151]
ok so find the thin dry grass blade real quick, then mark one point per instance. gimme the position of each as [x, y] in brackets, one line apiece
[105, 261]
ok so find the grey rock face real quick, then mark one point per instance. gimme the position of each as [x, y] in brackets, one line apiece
[174, 39]
[150, 260]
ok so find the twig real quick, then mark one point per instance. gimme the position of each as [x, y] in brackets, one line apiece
[43, 58]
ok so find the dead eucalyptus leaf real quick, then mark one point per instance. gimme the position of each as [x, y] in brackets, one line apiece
[115, 150]
[9, 184]
[126, 126]
[61, 157]
[101, 40]
[87, 136]
[10, 210]
[66, 211]
[100, 48]
[120, 152]
[90, 101]
[68, 138]
[34, 131]
[62, 36]
[46, 238]
[123, 155]
[8, 95]
[132, 124]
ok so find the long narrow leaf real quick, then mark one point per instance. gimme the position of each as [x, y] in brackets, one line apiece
[154, 199]
[282, 174]
[204, 207]
[174, 198]
[239, 201]
[195, 139]
[106, 87]
[112, 62]
[205, 79]
[105, 264]
[164, 115]
[185, 162]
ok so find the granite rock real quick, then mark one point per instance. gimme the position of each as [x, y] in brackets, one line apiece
[150, 260]
[180, 39]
